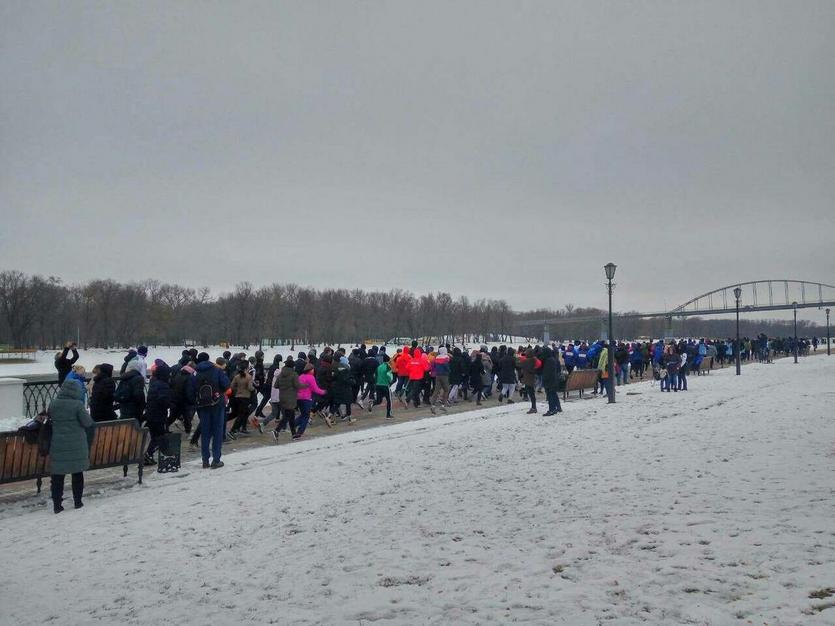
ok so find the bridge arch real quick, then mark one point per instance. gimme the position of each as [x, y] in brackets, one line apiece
[759, 295]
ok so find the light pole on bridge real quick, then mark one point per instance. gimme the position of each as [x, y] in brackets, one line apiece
[610, 274]
[738, 295]
[828, 352]
[794, 305]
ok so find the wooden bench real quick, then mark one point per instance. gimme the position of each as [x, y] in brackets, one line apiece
[705, 366]
[580, 380]
[120, 442]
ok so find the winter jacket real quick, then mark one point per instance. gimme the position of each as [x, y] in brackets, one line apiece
[64, 365]
[206, 373]
[384, 376]
[309, 387]
[570, 356]
[183, 387]
[507, 369]
[476, 370]
[72, 431]
[369, 368]
[242, 386]
[456, 368]
[529, 367]
[101, 397]
[418, 365]
[288, 387]
[550, 371]
[343, 382]
[440, 366]
[159, 399]
[82, 383]
[603, 360]
[487, 374]
[134, 405]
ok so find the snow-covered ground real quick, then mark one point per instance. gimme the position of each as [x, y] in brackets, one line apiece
[713, 506]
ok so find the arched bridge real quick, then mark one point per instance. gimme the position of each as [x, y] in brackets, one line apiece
[757, 296]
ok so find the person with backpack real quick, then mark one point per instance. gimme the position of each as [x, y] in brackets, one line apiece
[64, 364]
[102, 394]
[130, 393]
[156, 407]
[69, 448]
[211, 384]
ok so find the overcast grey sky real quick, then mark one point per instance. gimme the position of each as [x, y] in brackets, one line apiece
[493, 149]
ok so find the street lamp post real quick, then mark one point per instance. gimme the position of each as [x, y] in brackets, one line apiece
[737, 295]
[610, 274]
[828, 353]
[794, 305]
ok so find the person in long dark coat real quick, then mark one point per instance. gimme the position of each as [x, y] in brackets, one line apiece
[101, 398]
[551, 370]
[132, 399]
[72, 435]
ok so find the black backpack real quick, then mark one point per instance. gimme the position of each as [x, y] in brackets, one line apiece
[208, 392]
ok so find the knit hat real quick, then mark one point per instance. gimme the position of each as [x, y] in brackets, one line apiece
[142, 350]
[203, 356]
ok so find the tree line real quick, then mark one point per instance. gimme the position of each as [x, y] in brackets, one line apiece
[44, 312]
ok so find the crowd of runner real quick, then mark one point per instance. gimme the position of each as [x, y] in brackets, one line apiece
[235, 394]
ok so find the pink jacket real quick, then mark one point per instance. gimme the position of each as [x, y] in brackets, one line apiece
[309, 380]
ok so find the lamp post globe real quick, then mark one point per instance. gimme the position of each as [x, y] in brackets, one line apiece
[794, 306]
[738, 295]
[610, 268]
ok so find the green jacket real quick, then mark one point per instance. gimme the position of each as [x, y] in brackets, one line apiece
[603, 361]
[384, 375]
[72, 431]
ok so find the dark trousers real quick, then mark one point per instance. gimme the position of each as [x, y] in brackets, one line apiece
[553, 398]
[241, 413]
[184, 412]
[212, 429]
[384, 392]
[157, 430]
[288, 417]
[415, 387]
[57, 488]
[304, 415]
[265, 398]
[531, 396]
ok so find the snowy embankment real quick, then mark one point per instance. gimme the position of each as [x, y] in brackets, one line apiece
[705, 507]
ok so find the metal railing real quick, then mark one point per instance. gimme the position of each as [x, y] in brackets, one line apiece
[38, 395]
